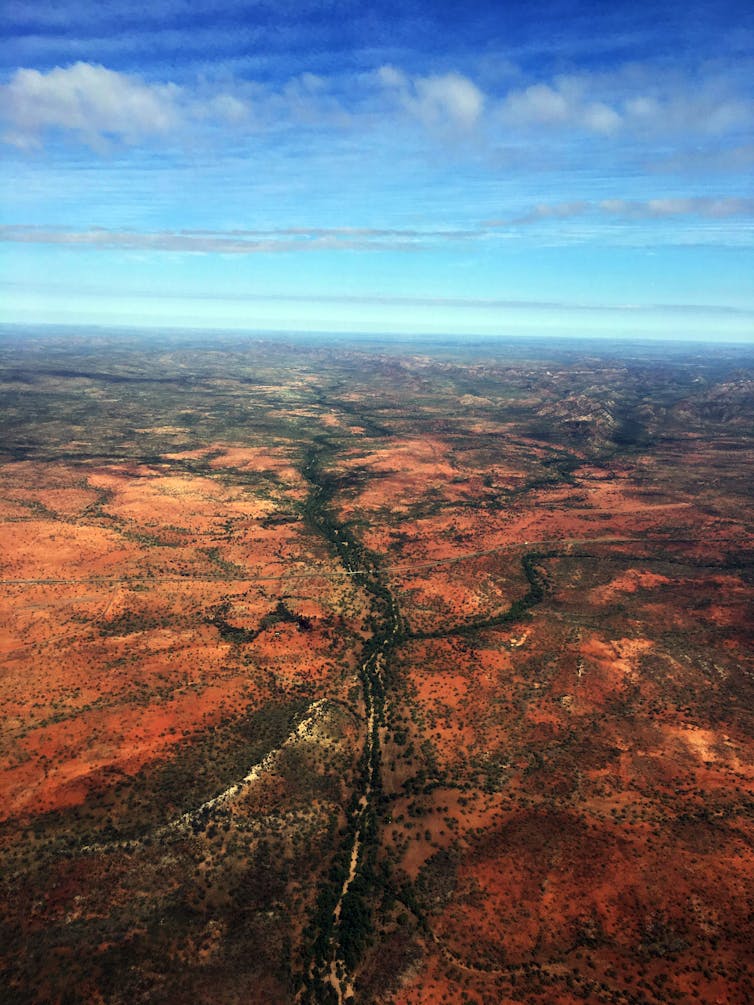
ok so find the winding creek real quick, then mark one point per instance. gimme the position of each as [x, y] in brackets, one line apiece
[343, 916]
[329, 972]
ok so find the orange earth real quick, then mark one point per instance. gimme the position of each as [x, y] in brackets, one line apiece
[375, 673]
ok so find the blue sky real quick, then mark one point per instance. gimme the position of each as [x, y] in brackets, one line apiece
[490, 168]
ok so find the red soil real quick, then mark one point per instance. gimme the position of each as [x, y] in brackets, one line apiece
[82, 655]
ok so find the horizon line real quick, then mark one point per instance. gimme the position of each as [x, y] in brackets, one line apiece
[179, 329]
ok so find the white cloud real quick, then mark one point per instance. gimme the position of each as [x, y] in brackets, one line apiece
[354, 238]
[563, 103]
[643, 109]
[391, 76]
[439, 100]
[227, 108]
[549, 211]
[306, 99]
[637, 100]
[237, 242]
[90, 100]
[704, 109]
[656, 209]
[618, 207]
[537, 104]
[635, 105]
[99, 105]
[600, 118]
[448, 97]
[727, 207]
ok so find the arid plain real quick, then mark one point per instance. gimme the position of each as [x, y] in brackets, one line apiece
[393, 672]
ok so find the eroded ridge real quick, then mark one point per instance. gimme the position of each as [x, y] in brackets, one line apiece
[200, 815]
